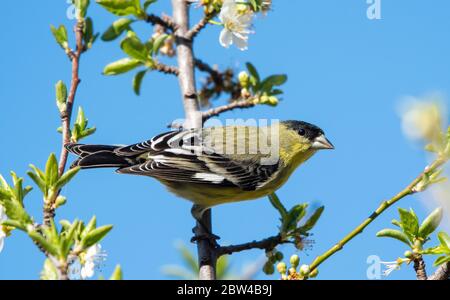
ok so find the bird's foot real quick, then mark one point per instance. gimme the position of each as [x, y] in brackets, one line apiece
[201, 235]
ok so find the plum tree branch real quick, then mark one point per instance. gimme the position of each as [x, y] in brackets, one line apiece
[419, 267]
[410, 189]
[266, 244]
[186, 77]
[75, 55]
[195, 30]
[166, 22]
[442, 273]
[213, 112]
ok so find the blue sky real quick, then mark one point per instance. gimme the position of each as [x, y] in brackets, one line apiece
[347, 74]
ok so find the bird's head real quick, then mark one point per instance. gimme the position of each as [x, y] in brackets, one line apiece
[308, 135]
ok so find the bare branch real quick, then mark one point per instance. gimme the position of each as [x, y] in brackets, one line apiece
[166, 69]
[233, 105]
[442, 273]
[186, 77]
[266, 244]
[164, 21]
[419, 267]
[49, 209]
[204, 67]
[192, 33]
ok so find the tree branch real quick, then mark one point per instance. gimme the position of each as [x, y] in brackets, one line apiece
[186, 77]
[166, 69]
[49, 209]
[419, 267]
[192, 33]
[266, 244]
[410, 189]
[221, 109]
[442, 273]
[166, 22]
[204, 67]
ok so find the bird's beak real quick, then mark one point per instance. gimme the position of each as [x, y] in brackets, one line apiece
[321, 142]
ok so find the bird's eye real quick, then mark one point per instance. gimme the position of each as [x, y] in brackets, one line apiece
[302, 132]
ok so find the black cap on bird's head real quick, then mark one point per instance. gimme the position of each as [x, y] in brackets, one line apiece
[311, 132]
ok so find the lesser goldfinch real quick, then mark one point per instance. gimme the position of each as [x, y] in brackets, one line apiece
[213, 165]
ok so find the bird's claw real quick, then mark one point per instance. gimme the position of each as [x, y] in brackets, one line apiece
[201, 235]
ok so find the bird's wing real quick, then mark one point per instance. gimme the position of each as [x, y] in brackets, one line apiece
[190, 161]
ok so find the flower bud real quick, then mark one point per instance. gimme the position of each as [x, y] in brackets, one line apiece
[304, 270]
[281, 268]
[243, 79]
[292, 271]
[295, 260]
[408, 254]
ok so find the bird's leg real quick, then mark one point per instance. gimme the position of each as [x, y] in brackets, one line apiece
[201, 231]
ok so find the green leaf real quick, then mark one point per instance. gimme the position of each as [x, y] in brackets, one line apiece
[294, 215]
[81, 6]
[430, 223]
[116, 29]
[15, 224]
[61, 95]
[132, 46]
[94, 236]
[409, 222]
[122, 7]
[66, 177]
[117, 273]
[88, 33]
[309, 224]
[121, 66]
[271, 81]
[51, 171]
[39, 182]
[89, 227]
[137, 81]
[48, 246]
[222, 267]
[395, 234]
[275, 201]
[441, 259]
[252, 70]
[60, 35]
[444, 239]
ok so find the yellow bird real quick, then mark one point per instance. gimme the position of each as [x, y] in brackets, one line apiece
[214, 165]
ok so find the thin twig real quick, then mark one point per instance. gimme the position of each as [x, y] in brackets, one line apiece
[192, 33]
[419, 267]
[165, 22]
[204, 67]
[410, 189]
[266, 244]
[213, 112]
[166, 69]
[49, 209]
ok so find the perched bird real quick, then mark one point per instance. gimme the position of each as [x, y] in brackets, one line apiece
[213, 165]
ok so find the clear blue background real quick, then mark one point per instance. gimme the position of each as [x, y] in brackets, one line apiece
[346, 74]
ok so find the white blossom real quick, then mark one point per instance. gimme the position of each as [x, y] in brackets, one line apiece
[390, 267]
[2, 232]
[84, 266]
[235, 25]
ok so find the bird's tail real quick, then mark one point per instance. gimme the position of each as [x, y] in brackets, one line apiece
[97, 156]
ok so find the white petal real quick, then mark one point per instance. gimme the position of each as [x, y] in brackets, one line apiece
[240, 42]
[3, 216]
[87, 271]
[225, 38]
